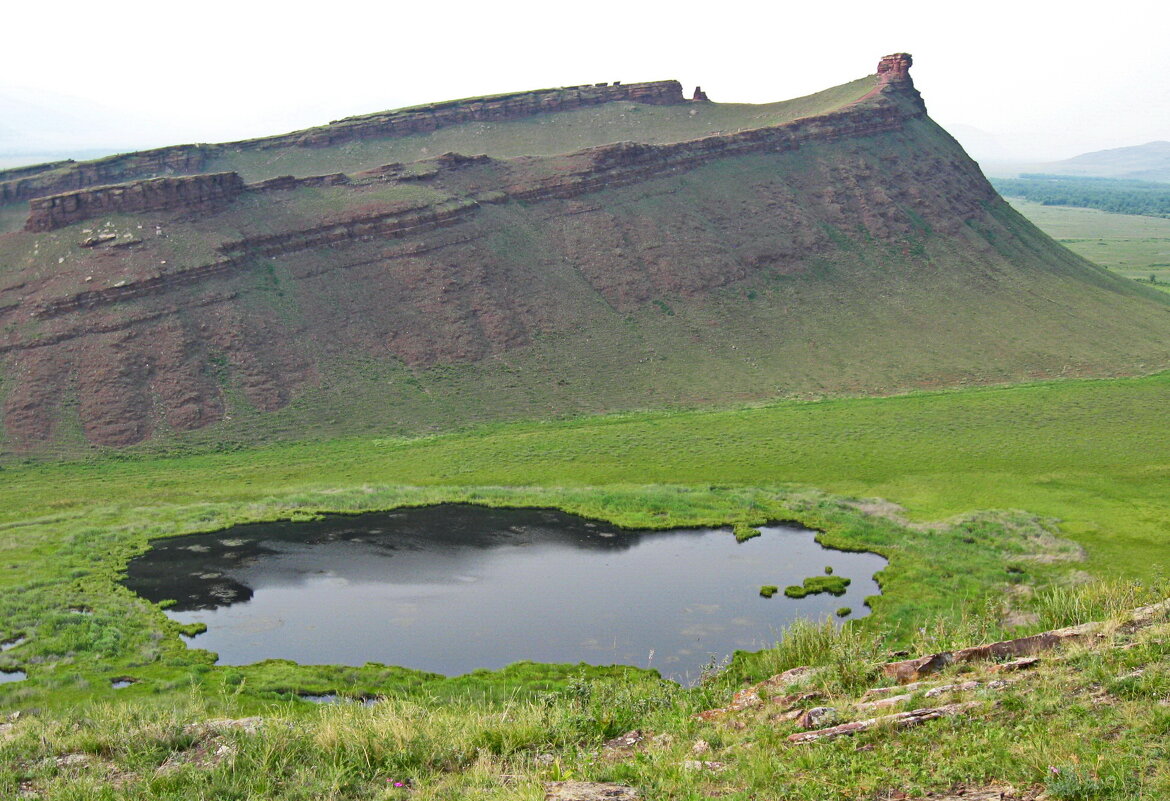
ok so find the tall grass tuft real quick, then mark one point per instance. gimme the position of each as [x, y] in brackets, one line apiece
[1099, 600]
[848, 654]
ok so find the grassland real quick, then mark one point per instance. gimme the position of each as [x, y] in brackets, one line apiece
[1135, 246]
[68, 529]
[1091, 453]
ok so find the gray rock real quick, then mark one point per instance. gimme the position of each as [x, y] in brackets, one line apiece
[588, 791]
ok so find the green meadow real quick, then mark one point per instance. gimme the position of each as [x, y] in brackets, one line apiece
[1011, 496]
[1133, 245]
[1093, 453]
[1034, 483]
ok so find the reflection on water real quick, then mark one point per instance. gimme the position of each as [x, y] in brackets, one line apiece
[12, 675]
[457, 587]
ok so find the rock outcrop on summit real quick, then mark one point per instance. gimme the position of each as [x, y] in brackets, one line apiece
[702, 252]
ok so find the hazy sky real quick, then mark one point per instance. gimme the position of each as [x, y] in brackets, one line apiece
[1040, 80]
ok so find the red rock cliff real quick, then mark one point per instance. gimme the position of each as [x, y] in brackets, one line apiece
[895, 67]
[189, 192]
[25, 183]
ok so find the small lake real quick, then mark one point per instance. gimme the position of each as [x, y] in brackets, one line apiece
[12, 675]
[456, 587]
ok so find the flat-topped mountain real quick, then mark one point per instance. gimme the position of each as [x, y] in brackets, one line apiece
[540, 253]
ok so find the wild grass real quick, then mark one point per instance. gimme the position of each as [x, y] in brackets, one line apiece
[834, 585]
[1048, 730]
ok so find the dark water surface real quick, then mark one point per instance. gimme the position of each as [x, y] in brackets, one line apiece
[457, 587]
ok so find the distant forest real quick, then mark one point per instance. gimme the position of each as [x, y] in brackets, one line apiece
[1108, 194]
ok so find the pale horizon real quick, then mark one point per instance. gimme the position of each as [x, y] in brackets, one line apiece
[1012, 84]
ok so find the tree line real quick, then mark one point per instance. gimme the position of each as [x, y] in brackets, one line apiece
[1119, 195]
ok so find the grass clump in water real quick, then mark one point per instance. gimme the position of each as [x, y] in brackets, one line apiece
[768, 590]
[743, 532]
[834, 585]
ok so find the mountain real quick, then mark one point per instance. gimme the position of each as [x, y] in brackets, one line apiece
[554, 252]
[1148, 162]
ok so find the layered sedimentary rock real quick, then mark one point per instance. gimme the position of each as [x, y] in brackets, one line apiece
[62, 176]
[605, 166]
[422, 119]
[189, 193]
[24, 183]
[180, 294]
[895, 67]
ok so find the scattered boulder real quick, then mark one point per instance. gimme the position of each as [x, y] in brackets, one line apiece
[961, 687]
[220, 725]
[624, 745]
[818, 717]
[884, 702]
[204, 755]
[697, 764]
[1016, 664]
[97, 239]
[627, 740]
[989, 792]
[909, 670]
[750, 697]
[879, 692]
[588, 791]
[73, 760]
[899, 720]
[912, 670]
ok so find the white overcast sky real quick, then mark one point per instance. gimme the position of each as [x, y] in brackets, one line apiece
[1037, 80]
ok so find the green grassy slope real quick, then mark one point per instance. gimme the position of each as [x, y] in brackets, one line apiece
[1091, 453]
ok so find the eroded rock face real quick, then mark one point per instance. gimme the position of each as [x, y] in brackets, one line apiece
[895, 67]
[189, 193]
[39, 180]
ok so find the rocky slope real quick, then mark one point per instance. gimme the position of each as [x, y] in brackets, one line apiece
[854, 249]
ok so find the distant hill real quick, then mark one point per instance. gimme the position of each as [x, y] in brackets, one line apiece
[1148, 162]
[534, 254]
